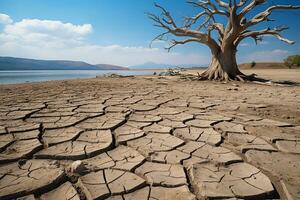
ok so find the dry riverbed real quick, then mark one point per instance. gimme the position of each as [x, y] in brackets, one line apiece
[150, 137]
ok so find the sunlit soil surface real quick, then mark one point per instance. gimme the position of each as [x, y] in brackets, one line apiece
[150, 137]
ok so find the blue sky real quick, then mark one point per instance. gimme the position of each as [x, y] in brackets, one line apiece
[118, 32]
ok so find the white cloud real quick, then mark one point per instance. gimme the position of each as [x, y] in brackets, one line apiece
[43, 32]
[5, 19]
[158, 42]
[56, 28]
[248, 44]
[245, 44]
[272, 55]
[46, 39]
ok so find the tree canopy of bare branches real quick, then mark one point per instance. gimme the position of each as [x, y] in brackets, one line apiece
[221, 38]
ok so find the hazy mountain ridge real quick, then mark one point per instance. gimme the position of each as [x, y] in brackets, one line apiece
[152, 65]
[12, 63]
[110, 67]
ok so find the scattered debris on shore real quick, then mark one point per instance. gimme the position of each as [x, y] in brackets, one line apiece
[113, 75]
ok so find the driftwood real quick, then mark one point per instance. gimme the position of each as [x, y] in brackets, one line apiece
[113, 75]
[171, 72]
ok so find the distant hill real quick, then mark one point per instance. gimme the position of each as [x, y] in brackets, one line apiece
[11, 63]
[264, 65]
[110, 67]
[152, 65]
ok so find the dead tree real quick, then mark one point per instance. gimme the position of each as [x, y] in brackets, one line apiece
[200, 28]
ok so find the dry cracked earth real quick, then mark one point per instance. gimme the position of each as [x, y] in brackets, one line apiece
[149, 138]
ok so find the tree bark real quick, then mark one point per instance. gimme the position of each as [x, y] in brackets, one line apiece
[223, 66]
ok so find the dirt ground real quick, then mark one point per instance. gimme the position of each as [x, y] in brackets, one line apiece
[150, 137]
[273, 74]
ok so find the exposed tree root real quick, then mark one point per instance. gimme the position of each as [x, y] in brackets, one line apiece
[220, 75]
[216, 73]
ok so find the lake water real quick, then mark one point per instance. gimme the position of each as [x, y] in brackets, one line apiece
[10, 77]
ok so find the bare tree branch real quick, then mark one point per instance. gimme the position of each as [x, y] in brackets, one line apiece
[263, 16]
[167, 22]
[257, 35]
[220, 28]
[189, 21]
[222, 4]
[242, 3]
[249, 7]
[174, 43]
[209, 7]
[159, 37]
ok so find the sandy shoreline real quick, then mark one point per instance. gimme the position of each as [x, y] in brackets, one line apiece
[150, 136]
[273, 74]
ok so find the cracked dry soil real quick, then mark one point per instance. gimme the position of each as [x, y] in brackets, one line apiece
[143, 138]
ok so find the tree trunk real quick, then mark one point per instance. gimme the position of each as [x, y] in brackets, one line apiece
[223, 66]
